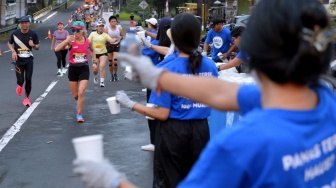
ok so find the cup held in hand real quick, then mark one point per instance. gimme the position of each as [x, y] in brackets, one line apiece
[150, 105]
[141, 34]
[89, 148]
[113, 104]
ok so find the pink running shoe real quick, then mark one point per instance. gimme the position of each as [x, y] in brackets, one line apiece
[19, 90]
[26, 102]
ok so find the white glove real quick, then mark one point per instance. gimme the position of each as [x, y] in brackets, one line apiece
[146, 42]
[139, 28]
[97, 174]
[204, 53]
[142, 69]
[124, 100]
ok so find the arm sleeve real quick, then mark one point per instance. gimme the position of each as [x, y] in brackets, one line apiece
[208, 39]
[249, 97]
[36, 39]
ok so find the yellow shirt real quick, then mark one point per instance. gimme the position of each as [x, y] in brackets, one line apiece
[99, 42]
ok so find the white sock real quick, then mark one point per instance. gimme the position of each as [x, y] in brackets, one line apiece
[102, 79]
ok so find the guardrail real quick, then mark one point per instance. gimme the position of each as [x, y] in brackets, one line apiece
[9, 28]
[42, 10]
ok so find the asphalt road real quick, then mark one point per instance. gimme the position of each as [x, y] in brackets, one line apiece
[40, 154]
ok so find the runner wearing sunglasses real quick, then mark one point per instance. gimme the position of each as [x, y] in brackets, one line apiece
[79, 71]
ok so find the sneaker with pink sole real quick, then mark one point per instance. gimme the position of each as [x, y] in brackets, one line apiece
[26, 102]
[19, 90]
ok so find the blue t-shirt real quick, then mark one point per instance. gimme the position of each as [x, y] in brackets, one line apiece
[243, 56]
[152, 53]
[151, 31]
[168, 59]
[182, 108]
[221, 42]
[272, 147]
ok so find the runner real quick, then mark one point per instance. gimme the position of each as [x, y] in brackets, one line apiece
[79, 71]
[59, 36]
[24, 40]
[112, 49]
[99, 40]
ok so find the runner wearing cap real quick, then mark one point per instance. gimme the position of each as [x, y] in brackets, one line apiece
[99, 39]
[24, 40]
[59, 36]
[79, 71]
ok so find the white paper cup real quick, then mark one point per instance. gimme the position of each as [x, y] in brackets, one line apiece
[89, 148]
[141, 34]
[151, 106]
[113, 105]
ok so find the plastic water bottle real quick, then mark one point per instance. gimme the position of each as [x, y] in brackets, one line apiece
[131, 45]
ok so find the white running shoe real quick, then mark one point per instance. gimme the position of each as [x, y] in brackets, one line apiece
[149, 147]
[102, 84]
[95, 80]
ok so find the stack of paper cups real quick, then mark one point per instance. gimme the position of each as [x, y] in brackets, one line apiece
[89, 148]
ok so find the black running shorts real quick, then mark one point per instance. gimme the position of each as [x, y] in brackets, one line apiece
[111, 49]
[76, 74]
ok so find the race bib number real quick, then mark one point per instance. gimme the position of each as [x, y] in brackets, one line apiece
[98, 48]
[80, 58]
[24, 52]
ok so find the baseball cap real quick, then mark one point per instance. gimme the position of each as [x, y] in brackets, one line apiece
[60, 23]
[77, 25]
[152, 21]
[165, 22]
[215, 21]
[100, 23]
[24, 19]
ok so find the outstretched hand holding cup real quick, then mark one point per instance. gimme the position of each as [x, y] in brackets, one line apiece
[143, 68]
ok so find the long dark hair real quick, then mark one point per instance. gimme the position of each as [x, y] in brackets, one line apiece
[164, 40]
[279, 44]
[186, 33]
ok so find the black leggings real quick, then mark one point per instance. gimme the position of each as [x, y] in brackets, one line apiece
[24, 72]
[61, 57]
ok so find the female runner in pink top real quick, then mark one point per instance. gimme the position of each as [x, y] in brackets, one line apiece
[79, 71]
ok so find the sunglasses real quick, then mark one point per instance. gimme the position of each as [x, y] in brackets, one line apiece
[76, 30]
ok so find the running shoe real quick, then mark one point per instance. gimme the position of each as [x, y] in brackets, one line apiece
[59, 73]
[19, 90]
[112, 78]
[149, 147]
[95, 80]
[102, 84]
[80, 118]
[26, 102]
[116, 77]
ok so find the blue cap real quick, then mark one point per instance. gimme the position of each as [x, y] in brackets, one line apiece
[24, 19]
[165, 22]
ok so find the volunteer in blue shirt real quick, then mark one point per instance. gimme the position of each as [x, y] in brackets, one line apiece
[183, 130]
[241, 59]
[287, 136]
[221, 41]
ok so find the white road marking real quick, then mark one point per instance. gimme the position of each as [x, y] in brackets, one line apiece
[17, 125]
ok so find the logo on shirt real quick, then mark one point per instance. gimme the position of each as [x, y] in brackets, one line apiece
[217, 42]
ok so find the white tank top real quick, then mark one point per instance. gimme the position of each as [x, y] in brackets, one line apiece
[113, 34]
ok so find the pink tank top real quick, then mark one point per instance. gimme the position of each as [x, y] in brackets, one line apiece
[79, 53]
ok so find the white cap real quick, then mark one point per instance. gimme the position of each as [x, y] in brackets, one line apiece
[152, 21]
